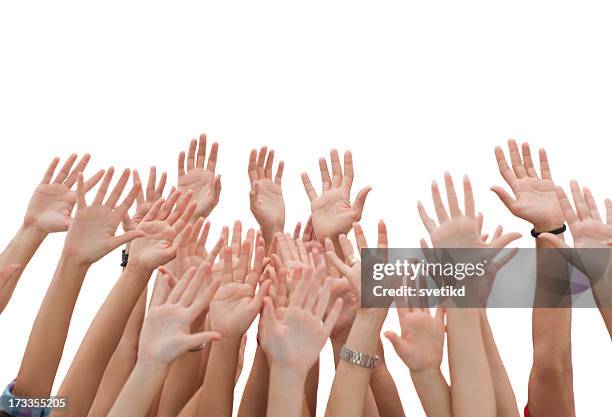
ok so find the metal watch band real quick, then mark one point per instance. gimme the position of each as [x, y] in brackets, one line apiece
[357, 358]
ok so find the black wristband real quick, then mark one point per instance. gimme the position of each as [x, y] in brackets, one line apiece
[554, 232]
[124, 258]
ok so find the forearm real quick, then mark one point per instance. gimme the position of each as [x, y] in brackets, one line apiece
[182, 383]
[217, 394]
[20, 250]
[312, 386]
[84, 375]
[139, 391]
[472, 390]
[385, 392]
[433, 391]
[286, 398]
[504, 395]
[253, 403]
[351, 383]
[122, 362]
[46, 343]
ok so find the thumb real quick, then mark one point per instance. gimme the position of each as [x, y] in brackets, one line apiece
[117, 241]
[506, 198]
[198, 340]
[360, 202]
[554, 240]
[396, 341]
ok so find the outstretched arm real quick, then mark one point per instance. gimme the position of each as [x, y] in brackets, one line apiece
[48, 212]
[165, 336]
[90, 237]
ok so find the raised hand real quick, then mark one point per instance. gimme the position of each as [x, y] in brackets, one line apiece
[456, 229]
[206, 186]
[332, 212]
[421, 343]
[160, 228]
[293, 337]
[166, 332]
[266, 195]
[144, 202]
[51, 205]
[237, 302]
[535, 198]
[585, 223]
[92, 232]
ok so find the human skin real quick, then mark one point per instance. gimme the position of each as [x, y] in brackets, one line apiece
[535, 201]
[90, 237]
[166, 335]
[49, 211]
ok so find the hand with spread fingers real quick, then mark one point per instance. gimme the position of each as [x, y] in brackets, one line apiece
[266, 195]
[293, 337]
[92, 232]
[166, 332]
[456, 229]
[160, 228]
[421, 343]
[332, 212]
[535, 199]
[145, 201]
[203, 181]
[237, 302]
[51, 205]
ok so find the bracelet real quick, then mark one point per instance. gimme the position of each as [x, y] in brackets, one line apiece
[357, 358]
[558, 231]
[124, 258]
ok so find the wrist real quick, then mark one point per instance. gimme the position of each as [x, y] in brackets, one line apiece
[269, 231]
[425, 374]
[31, 232]
[541, 227]
[288, 376]
[150, 369]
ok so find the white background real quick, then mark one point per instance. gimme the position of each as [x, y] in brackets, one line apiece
[412, 88]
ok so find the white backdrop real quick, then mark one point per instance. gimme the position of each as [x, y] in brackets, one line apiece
[412, 88]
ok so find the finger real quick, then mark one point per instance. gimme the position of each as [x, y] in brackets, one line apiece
[468, 197]
[528, 162]
[313, 291]
[218, 246]
[579, 202]
[201, 158]
[204, 297]
[168, 205]
[181, 206]
[117, 241]
[161, 290]
[257, 301]
[127, 202]
[504, 169]
[451, 195]
[428, 222]
[398, 343]
[152, 214]
[140, 198]
[150, 192]
[63, 172]
[479, 220]
[359, 203]
[325, 178]
[308, 187]
[197, 340]
[192, 289]
[185, 218]
[212, 158]
[301, 290]
[296, 231]
[336, 168]
[261, 159]
[253, 276]
[50, 170]
[383, 239]
[347, 179]
[181, 164]
[99, 198]
[292, 247]
[91, 182]
[332, 316]
[323, 300]
[279, 173]
[506, 198]
[554, 240]
[301, 250]
[566, 207]
[243, 262]
[360, 238]
[226, 257]
[191, 154]
[591, 204]
[544, 165]
[118, 190]
[308, 230]
[609, 211]
[505, 240]
[438, 204]
[252, 169]
[81, 203]
[80, 167]
[161, 185]
[515, 158]
[236, 238]
[269, 165]
[203, 237]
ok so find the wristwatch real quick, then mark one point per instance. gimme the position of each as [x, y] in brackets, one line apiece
[357, 358]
